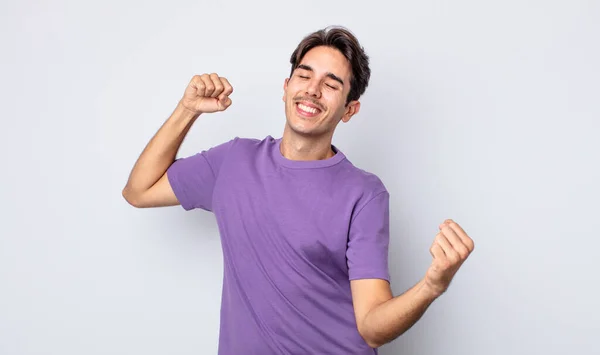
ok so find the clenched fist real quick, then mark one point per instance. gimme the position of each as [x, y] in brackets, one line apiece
[450, 248]
[207, 93]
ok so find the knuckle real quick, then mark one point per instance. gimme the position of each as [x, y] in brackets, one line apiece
[470, 244]
[453, 257]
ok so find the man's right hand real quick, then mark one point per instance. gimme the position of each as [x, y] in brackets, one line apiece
[207, 93]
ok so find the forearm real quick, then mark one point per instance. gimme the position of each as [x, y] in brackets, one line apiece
[161, 151]
[392, 318]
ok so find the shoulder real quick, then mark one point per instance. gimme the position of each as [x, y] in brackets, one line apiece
[363, 188]
[368, 183]
[249, 143]
[372, 197]
[247, 150]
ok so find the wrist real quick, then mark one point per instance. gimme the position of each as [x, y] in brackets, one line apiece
[429, 290]
[182, 111]
[182, 118]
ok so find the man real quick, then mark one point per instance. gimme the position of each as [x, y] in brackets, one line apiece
[304, 232]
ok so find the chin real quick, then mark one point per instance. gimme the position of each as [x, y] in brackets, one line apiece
[301, 130]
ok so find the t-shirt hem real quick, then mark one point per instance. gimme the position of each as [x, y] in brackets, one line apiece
[178, 190]
[370, 275]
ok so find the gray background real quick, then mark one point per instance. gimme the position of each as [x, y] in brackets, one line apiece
[484, 112]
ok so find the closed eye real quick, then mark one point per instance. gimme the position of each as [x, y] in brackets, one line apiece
[331, 86]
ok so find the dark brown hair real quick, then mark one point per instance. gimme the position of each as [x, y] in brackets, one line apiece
[343, 40]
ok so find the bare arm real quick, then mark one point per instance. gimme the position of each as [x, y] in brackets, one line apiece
[148, 185]
[381, 318]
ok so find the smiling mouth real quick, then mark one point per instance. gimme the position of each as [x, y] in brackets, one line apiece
[307, 110]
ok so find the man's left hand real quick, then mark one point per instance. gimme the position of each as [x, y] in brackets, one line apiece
[450, 248]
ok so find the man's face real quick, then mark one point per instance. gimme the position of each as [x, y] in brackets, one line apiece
[315, 95]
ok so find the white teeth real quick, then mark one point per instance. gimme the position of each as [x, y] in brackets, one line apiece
[307, 109]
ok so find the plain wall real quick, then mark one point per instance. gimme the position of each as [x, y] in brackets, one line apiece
[484, 112]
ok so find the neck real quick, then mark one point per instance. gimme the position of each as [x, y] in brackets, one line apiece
[296, 147]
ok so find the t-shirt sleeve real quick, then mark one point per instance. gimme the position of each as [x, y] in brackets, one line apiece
[193, 178]
[368, 243]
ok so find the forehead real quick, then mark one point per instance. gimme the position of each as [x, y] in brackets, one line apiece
[325, 60]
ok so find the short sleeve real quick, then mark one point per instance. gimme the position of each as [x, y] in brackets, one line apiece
[193, 178]
[368, 243]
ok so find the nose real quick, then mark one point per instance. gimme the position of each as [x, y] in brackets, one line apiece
[313, 89]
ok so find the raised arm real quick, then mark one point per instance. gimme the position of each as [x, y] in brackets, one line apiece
[148, 185]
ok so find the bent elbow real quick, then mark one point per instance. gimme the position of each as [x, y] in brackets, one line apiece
[372, 344]
[369, 338]
[130, 197]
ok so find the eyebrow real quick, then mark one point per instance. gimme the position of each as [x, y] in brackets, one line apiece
[331, 75]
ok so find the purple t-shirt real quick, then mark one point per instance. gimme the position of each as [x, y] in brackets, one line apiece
[294, 233]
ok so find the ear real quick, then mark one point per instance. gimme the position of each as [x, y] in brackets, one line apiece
[285, 84]
[351, 110]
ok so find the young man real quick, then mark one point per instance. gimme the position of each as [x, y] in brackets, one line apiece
[304, 232]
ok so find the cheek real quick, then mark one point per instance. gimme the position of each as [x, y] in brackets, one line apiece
[289, 93]
[334, 103]
[287, 96]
